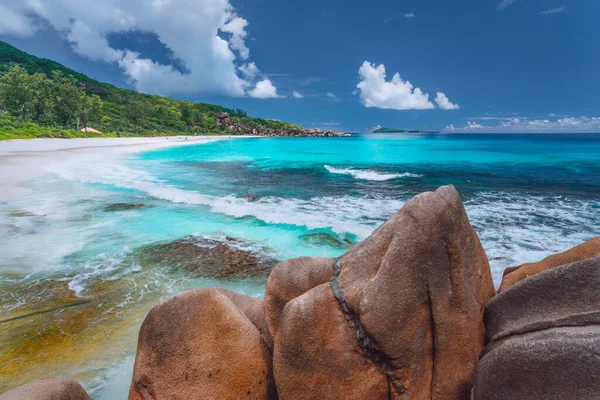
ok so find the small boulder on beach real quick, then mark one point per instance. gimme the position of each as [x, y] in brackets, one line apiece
[54, 389]
[203, 344]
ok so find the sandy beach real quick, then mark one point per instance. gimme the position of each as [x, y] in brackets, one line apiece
[25, 159]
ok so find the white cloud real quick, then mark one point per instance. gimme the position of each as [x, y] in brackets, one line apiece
[525, 125]
[409, 15]
[237, 28]
[208, 36]
[444, 103]
[249, 71]
[332, 97]
[297, 95]
[554, 10]
[264, 90]
[396, 94]
[505, 3]
[14, 23]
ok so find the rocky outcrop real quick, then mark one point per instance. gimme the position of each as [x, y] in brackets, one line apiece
[208, 258]
[401, 316]
[236, 127]
[584, 251]
[55, 389]
[544, 334]
[203, 344]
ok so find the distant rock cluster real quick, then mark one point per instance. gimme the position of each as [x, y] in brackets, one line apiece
[409, 313]
[235, 127]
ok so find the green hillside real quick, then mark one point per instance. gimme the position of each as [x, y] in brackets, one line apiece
[34, 94]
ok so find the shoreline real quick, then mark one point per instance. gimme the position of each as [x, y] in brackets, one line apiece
[22, 160]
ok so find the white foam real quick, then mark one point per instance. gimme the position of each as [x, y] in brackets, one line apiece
[369, 174]
[341, 214]
[516, 228]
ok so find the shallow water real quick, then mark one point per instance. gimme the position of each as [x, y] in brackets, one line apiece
[73, 293]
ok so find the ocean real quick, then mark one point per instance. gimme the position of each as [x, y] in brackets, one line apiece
[74, 290]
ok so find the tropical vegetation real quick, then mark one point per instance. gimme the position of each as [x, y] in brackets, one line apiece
[42, 98]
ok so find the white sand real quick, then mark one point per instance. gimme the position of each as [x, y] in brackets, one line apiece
[24, 159]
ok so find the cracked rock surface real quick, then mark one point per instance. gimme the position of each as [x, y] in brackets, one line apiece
[399, 316]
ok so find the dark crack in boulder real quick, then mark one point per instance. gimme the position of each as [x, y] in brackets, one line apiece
[401, 317]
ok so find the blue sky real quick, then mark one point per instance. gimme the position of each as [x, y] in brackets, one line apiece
[501, 65]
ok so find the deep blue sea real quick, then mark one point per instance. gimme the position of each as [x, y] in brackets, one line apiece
[527, 196]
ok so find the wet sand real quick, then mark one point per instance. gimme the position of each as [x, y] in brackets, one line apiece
[24, 159]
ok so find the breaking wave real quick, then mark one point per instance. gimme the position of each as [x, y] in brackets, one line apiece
[369, 174]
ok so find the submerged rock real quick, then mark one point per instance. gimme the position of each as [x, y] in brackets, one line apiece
[203, 344]
[251, 197]
[56, 389]
[586, 250]
[544, 335]
[46, 330]
[208, 258]
[123, 207]
[401, 317]
[321, 239]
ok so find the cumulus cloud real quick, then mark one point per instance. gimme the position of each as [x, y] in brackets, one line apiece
[297, 95]
[409, 15]
[525, 125]
[443, 103]
[554, 10]
[264, 90]
[208, 36]
[376, 91]
[505, 3]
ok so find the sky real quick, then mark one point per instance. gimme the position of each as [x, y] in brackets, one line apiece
[453, 66]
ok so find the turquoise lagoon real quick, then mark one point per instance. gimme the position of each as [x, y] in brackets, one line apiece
[63, 258]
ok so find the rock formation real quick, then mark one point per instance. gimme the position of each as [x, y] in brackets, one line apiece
[584, 251]
[55, 389]
[203, 344]
[235, 127]
[401, 316]
[544, 335]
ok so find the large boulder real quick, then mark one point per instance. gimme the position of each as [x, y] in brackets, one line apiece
[402, 316]
[544, 335]
[586, 250]
[54, 389]
[201, 344]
